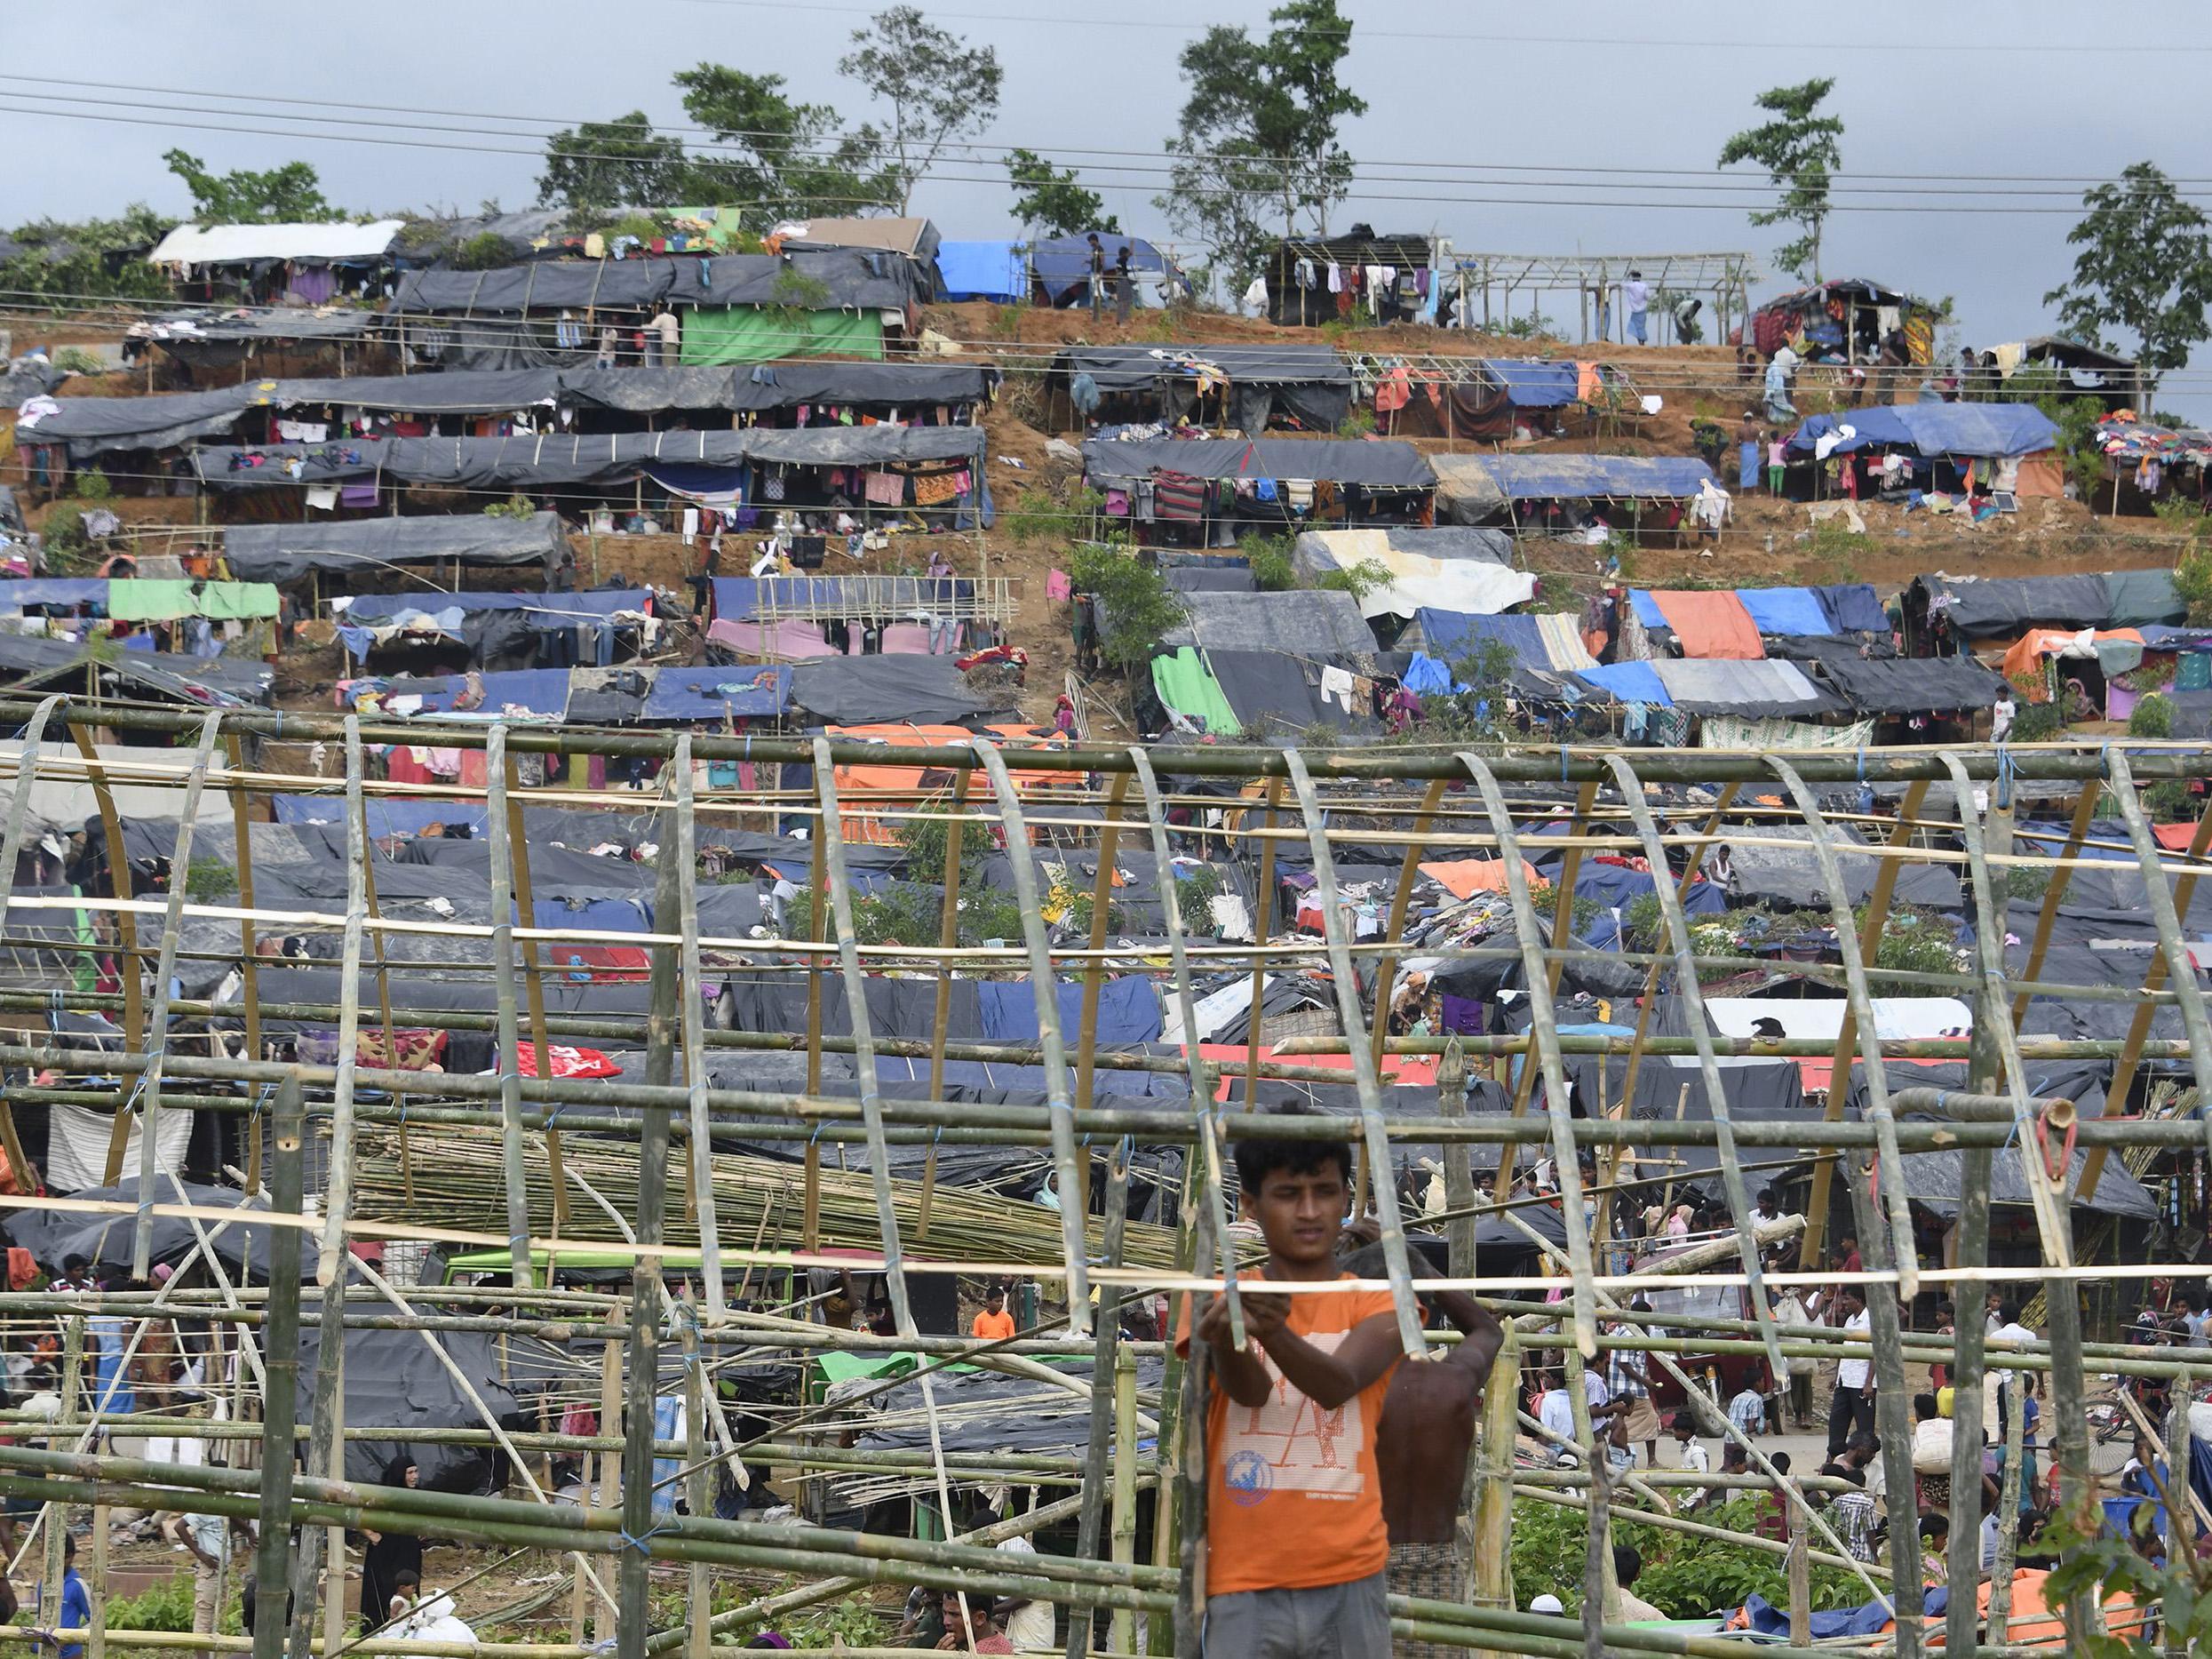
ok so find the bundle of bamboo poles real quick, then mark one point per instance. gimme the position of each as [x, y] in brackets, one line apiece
[455, 1175]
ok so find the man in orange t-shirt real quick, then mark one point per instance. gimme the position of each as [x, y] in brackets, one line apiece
[1296, 1544]
[994, 1323]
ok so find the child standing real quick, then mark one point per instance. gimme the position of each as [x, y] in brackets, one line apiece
[1776, 461]
[1297, 1545]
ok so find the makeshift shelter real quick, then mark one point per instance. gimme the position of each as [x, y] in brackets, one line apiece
[1549, 644]
[1950, 431]
[865, 690]
[1452, 569]
[1705, 622]
[285, 553]
[1483, 488]
[1322, 624]
[206, 340]
[497, 630]
[1840, 321]
[310, 264]
[1940, 611]
[1786, 611]
[1060, 268]
[1248, 387]
[2082, 369]
[70, 666]
[1899, 686]
[1202, 489]
[1312, 280]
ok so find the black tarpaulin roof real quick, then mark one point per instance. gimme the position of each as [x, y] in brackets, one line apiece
[867, 691]
[1376, 463]
[531, 462]
[1135, 368]
[95, 426]
[282, 553]
[1911, 685]
[1317, 623]
[836, 279]
[37, 664]
[1991, 606]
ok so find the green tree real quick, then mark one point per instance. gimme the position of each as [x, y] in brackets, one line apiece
[612, 163]
[2144, 264]
[775, 159]
[1136, 605]
[67, 262]
[1256, 145]
[1052, 201]
[289, 194]
[937, 85]
[1799, 148]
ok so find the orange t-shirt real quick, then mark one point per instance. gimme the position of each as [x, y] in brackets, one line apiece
[993, 1326]
[1293, 1497]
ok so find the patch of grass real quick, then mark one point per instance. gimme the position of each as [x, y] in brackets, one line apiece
[76, 360]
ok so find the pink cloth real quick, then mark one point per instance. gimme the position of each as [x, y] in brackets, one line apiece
[1057, 586]
[906, 638]
[886, 488]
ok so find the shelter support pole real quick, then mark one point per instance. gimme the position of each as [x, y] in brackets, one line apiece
[249, 955]
[1561, 927]
[948, 937]
[818, 924]
[55, 1516]
[610, 1477]
[2181, 1519]
[127, 965]
[326, 1453]
[699, 1482]
[12, 851]
[2008, 1529]
[1848, 1038]
[280, 1372]
[1797, 1567]
[1102, 908]
[1121, 1637]
[514, 1170]
[375, 916]
[1493, 1475]
[533, 982]
[1262, 927]
[1080, 1621]
[681, 862]
[2054, 895]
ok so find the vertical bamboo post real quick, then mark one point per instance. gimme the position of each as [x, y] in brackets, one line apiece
[817, 925]
[96, 1644]
[280, 1363]
[326, 1453]
[1262, 926]
[56, 1516]
[1493, 1464]
[1103, 1357]
[949, 936]
[1798, 1568]
[513, 1175]
[1121, 1636]
[609, 1475]
[534, 988]
[699, 1484]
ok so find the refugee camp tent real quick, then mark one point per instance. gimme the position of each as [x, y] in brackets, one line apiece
[1292, 385]
[1843, 319]
[334, 242]
[1779, 868]
[715, 694]
[1911, 685]
[1060, 266]
[996, 271]
[1272, 690]
[1323, 624]
[1989, 608]
[1961, 431]
[1476, 488]
[94, 427]
[1550, 645]
[213, 340]
[1453, 568]
[1790, 611]
[1705, 622]
[863, 690]
[284, 552]
[1370, 464]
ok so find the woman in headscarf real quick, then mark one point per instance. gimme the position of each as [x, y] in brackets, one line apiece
[389, 1553]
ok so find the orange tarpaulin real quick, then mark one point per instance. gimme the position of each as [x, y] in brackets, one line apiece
[2024, 659]
[2039, 476]
[1710, 624]
[902, 785]
[1414, 1071]
[1463, 878]
[2174, 837]
[2034, 1622]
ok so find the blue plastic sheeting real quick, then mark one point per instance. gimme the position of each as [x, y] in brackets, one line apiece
[982, 270]
[1852, 608]
[589, 916]
[1425, 676]
[386, 817]
[742, 598]
[1059, 261]
[1931, 429]
[2048, 840]
[1562, 477]
[1785, 609]
[53, 590]
[542, 692]
[598, 601]
[711, 692]
[1615, 887]
[1129, 1009]
[1452, 633]
[1627, 683]
[1534, 384]
[1647, 609]
[1763, 1619]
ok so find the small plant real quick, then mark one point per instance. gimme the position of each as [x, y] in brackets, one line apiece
[1139, 607]
[1196, 890]
[1359, 581]
[92, 485]
[2170, 801]
[1359, 423]
[1006, 321]
[2192, 581]
[76, 360]
[2154, 717]
[1270, 558]
[209, 879]
[485, 251]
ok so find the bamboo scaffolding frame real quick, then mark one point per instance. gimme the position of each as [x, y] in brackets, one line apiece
[1303, 797]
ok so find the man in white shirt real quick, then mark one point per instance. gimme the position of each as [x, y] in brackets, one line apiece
[1027, 1625]
[1555, 1412]
[2010, 1332]
[2001, 717]
[1851, 1408]
[1636, 299]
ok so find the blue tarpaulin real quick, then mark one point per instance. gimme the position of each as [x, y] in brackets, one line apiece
[1425, 676]
[598, 601]
[1615, 887]
[982, 270]
[53, 590]
[540, 692]
[711, 692]
[1871, 1619]
[1533, 385]
[1061, 260]
[1931, 429]
[1129, 1009]
[386, 817]
[1785, 609]
[1852, 608]
[589, 916]
[744, 598]
[1451, 634]
[1647, 609]
[1561, 477]
[1627, 683]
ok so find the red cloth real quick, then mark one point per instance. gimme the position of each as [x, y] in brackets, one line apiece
[402, 767]
[567, 1061]
[1710, 623]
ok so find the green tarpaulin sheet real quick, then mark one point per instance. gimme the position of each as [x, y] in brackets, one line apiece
[748, 334]
[1184, 682]
[147, 599]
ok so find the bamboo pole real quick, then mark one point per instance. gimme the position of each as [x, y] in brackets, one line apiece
[280, 1378]
[1121, 1635]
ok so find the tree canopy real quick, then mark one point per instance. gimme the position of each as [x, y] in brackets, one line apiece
[1052, 201]
[775, 159]
[612, 163]
[2144, 265]
[938, 87]
[289, 194]
[1800, 149]
[1256, 145]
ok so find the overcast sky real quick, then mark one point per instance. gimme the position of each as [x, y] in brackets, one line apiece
[1985, 94]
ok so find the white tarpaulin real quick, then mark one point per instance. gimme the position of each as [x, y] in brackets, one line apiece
[1473, 586]
[1212, 1012]
[62, 794]
[76, 1147]
[1897, 1018]
[227, 244]
[1731, 732]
